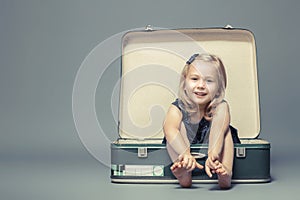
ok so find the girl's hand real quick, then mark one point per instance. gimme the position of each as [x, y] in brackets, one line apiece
[189, 162]
[211, 166]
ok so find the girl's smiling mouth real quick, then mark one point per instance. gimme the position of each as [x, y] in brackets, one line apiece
[200, 94]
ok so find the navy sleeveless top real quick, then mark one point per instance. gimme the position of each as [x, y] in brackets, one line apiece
[198, 133]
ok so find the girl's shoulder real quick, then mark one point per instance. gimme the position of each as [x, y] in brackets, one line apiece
[223, 103]
[176, 106]
[222, 106]
[179, 104]
[174, 114]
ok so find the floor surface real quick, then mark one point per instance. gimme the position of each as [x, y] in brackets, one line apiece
[86, 178]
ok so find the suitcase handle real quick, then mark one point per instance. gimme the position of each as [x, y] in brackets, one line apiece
[198, 155]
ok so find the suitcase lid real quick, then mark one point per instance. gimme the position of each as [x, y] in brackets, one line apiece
[152, 61]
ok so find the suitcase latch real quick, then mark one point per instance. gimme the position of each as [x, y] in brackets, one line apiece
[142, 152]
[240, 152]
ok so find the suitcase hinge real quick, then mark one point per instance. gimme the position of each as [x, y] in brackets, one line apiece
[149, 28]
[228, 26]
[240, 152]
[142, 152]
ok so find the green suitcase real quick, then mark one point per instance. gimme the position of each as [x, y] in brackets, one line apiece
[151, 64]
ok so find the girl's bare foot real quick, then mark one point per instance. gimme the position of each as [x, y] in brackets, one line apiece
[224, 176]
[183, 175]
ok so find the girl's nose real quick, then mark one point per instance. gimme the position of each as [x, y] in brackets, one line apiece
[202, 84]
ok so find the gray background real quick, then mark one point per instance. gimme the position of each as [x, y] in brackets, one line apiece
[42, 45]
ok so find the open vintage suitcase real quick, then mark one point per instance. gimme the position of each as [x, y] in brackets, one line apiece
[152, 61]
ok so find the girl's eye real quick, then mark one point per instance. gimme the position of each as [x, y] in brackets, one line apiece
[209, 81]
[194, 78]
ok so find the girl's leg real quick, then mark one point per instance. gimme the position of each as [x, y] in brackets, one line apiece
[226, 160]
[178, 145]
[183, 176]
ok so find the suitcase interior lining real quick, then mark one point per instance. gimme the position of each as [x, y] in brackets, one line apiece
[151, 66]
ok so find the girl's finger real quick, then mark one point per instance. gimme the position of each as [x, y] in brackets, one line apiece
[199, 166]
[192, 167]
[207, 170]
[185, 161]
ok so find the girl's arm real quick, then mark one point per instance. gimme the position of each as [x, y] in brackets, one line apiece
[218, 129]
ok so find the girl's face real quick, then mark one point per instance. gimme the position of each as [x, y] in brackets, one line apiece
[201, 83]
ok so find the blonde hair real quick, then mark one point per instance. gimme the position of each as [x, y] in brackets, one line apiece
[186, 103]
